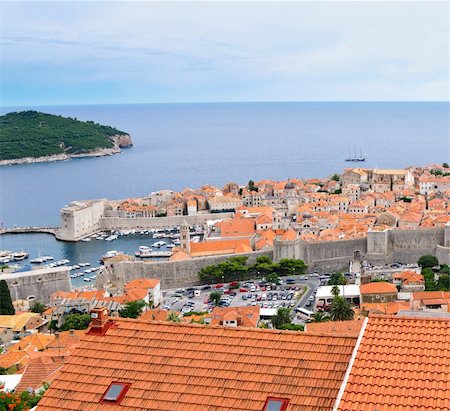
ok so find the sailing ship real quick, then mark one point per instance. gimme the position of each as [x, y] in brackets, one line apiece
[355, 157]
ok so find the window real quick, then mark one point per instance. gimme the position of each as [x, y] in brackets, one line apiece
[115, 392]
[276, 404]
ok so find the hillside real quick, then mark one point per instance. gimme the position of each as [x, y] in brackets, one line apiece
[31, 134]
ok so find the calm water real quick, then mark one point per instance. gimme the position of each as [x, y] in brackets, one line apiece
[188, 145]
[81, 252]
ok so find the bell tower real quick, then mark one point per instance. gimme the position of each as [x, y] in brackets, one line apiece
[185, 238]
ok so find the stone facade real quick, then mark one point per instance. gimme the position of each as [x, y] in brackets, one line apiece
[37, 285]
[378, 247]
[80, 219]
[171, 273]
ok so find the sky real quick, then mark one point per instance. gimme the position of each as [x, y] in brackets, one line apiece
[155, 52]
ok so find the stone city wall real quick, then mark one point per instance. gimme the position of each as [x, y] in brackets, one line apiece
[378, 247]
[409, 245]
[40, 284]
[322, 256]
[146, 223]
[171, 273]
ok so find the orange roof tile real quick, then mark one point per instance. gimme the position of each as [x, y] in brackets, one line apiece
[430, 295]
[336, 327]
[237, 227]
[377, 287]
[219, 247]
[245, 316]
[392, 307]
[401, 364]
[289, 235]
[155, 315]
[38, 371]
[145, 283]
[193, 367]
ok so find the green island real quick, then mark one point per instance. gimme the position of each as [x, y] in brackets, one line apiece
[37, 136]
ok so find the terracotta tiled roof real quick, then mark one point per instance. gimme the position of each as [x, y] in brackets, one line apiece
[12, 358]
[430, 295]
[39, 371]
[377, 287]
[220, 247]
[401, 364]
[142, 283]
[245, 316]
[386, 308]
[181, 367]
[336, 327]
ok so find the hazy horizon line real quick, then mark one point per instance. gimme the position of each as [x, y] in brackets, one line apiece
[221, 102]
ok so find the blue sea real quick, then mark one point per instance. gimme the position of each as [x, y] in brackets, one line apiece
[188, 145]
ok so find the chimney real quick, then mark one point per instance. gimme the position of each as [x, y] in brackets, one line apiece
[100, 321]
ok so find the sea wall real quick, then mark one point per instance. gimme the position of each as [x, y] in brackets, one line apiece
[146, 223]
[37, 285]
[172, 274]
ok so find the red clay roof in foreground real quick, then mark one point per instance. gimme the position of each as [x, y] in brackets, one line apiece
[352, 327]
[402, 363]
[180, 367]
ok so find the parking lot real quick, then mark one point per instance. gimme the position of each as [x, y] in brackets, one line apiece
[290, 293]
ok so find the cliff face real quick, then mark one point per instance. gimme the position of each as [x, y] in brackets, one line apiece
[122, 140]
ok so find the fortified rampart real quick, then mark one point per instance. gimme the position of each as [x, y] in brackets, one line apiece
[378, 247]
[146, 223]
[171, 273]
[323, 256]
[37, 285]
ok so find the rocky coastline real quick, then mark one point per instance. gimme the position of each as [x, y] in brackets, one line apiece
[120, 141]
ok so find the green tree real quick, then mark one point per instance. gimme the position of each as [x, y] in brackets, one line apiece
[133, 309]
[76, 322]
[282, 317]
[53, 325]
[263, 266]
[210, 274]
[341, 309]
[290, 266]
[445, 269]
[38, 307]
[443, 283]
[335, 290]
[428, 261]
[173, 317]
[335, 177]
[272, 278]
[319, 317]
[429, 279]
[337, 279]
[445, 165]
[214, 297]
[6, 305]
[251, 186]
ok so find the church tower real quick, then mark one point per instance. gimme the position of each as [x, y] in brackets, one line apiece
[185, 239]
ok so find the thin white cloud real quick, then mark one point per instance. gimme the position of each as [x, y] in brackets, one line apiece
[285, 50]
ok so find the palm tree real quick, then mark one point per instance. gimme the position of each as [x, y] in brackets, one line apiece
[319, 317]
[341, 309]
[335, 290]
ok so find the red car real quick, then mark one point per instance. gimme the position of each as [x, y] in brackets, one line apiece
[243, 290]
[234, 284]
[218, 286]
